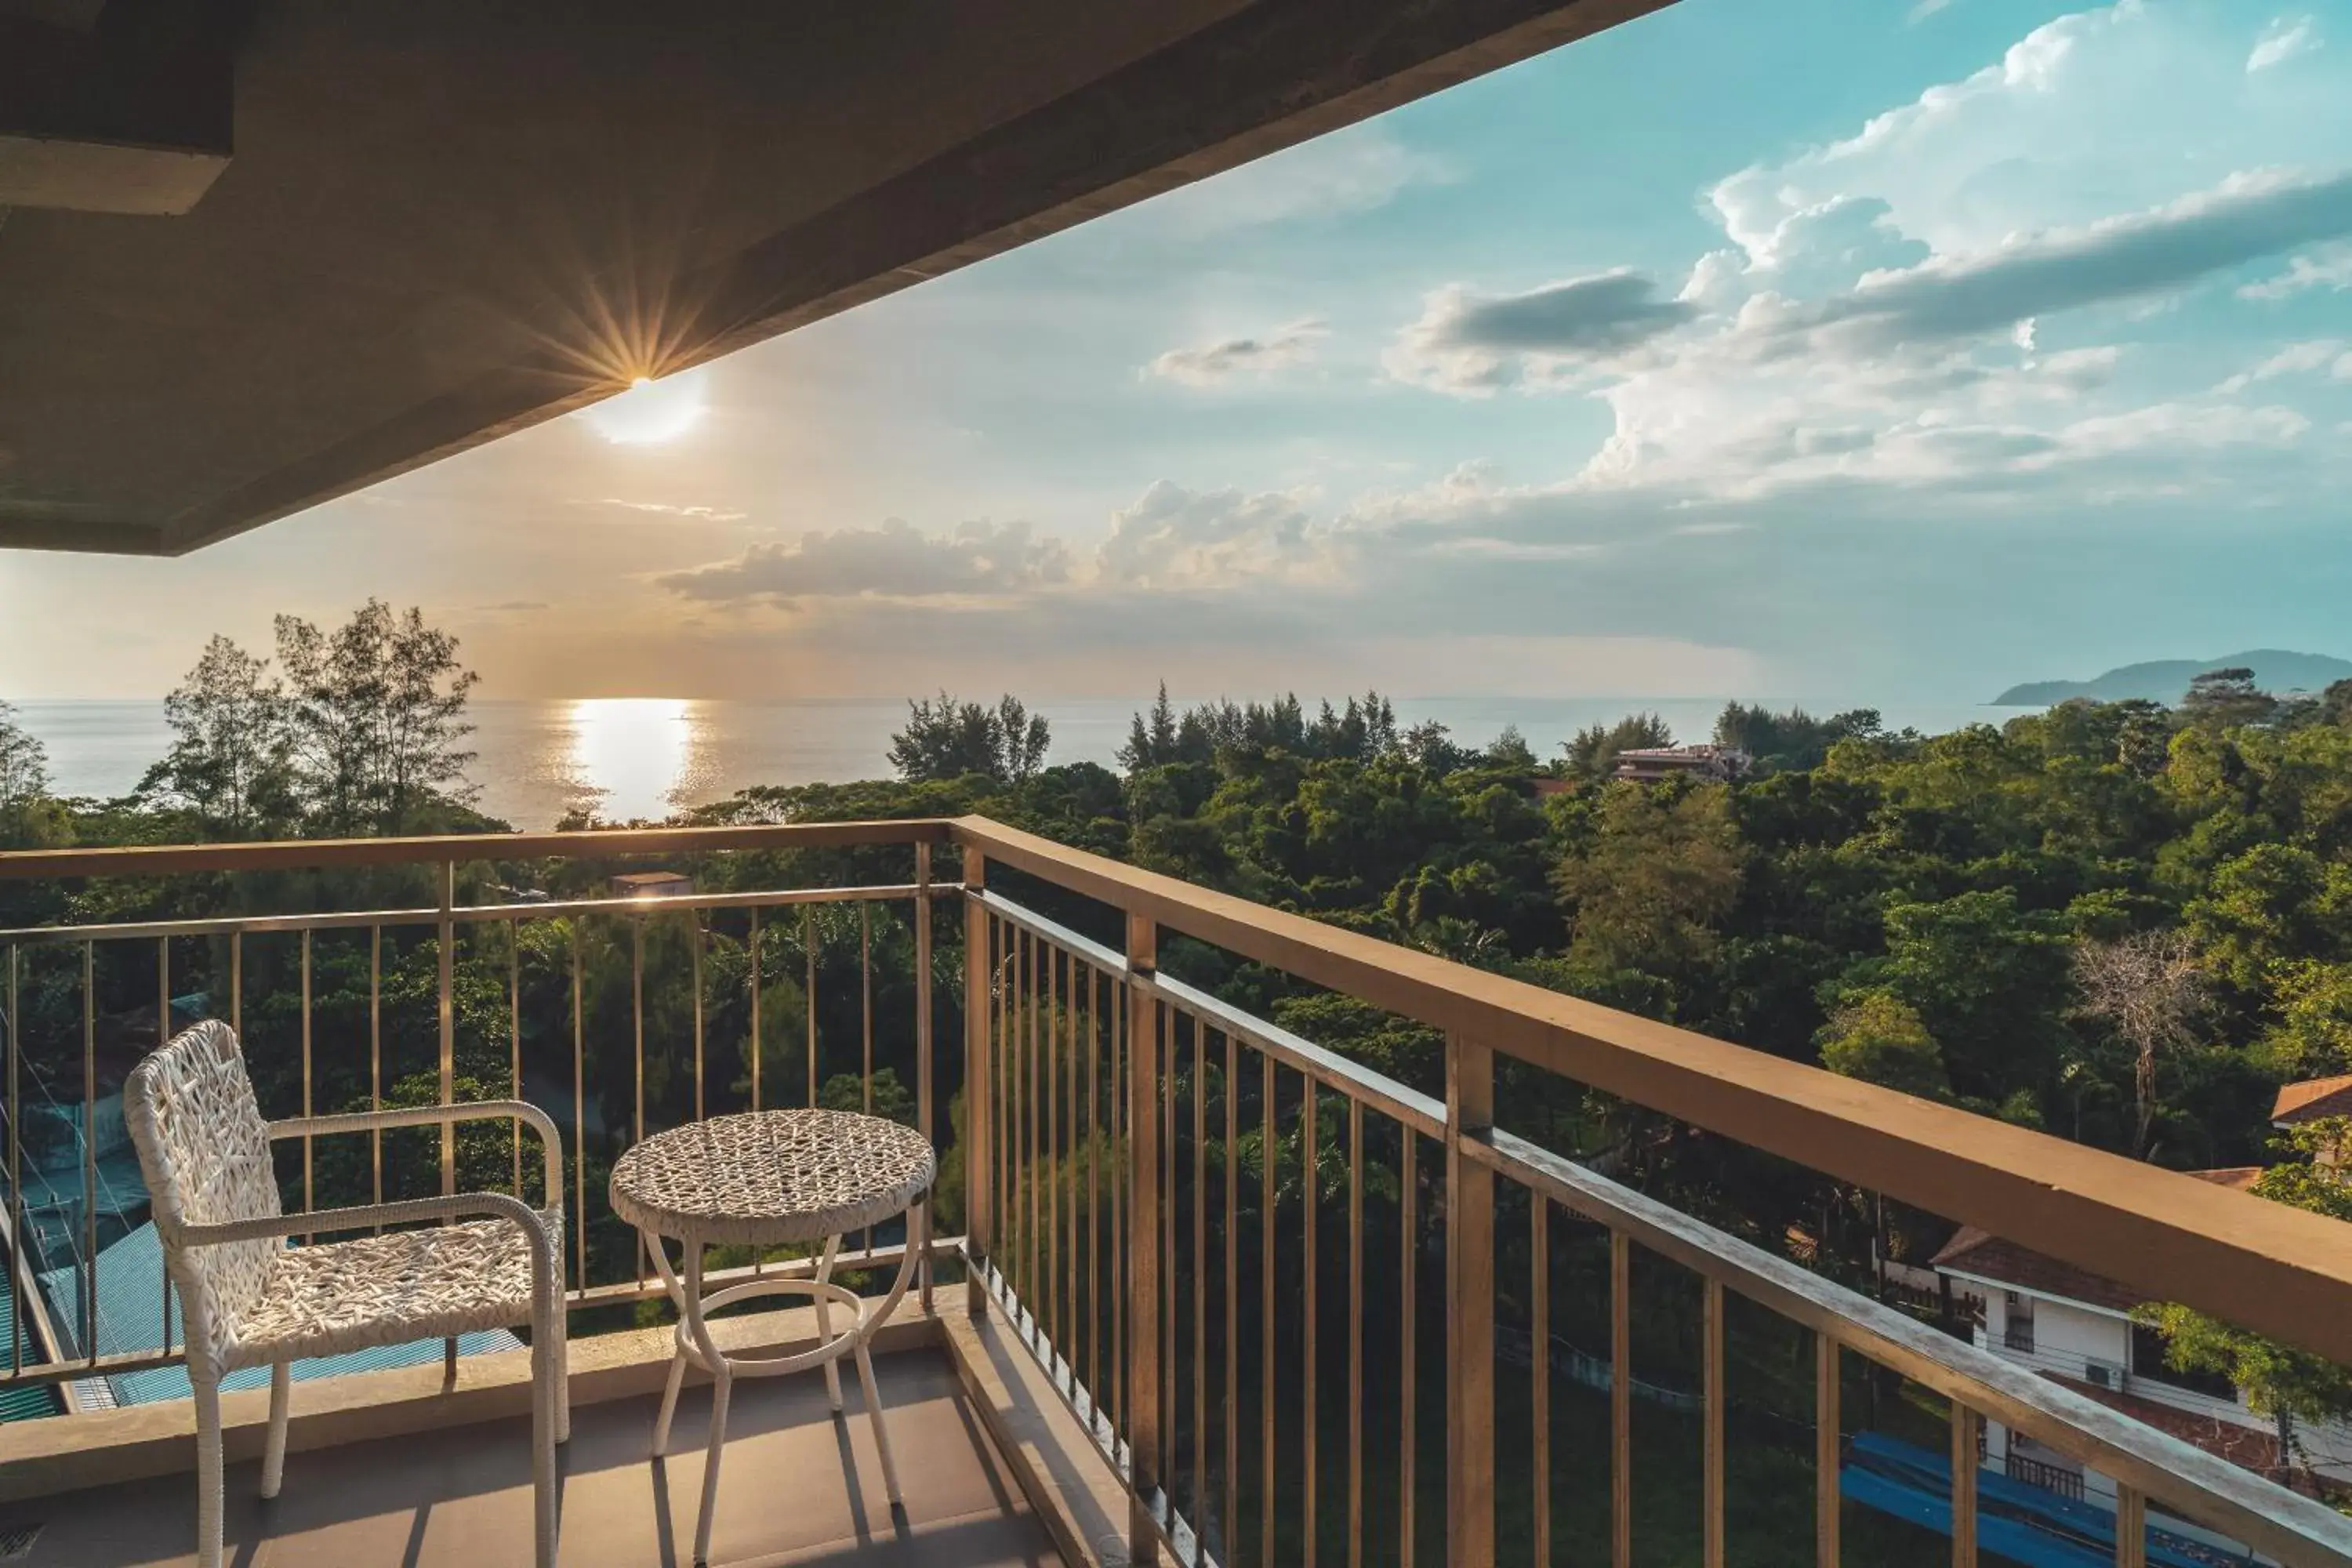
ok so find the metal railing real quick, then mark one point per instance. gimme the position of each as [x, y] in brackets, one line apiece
[476, 947]
[1267, 1277]
[2050, 1478]
[1183, 1302]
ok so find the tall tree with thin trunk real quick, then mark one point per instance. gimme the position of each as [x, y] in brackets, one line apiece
[376, 710]
[2150, 989]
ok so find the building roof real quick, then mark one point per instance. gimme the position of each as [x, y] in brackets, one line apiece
[2311, 1100]
[437, 221]
[1981, 1253]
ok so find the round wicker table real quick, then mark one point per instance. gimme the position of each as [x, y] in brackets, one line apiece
[764, 1179]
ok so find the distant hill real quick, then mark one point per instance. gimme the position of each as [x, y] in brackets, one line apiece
[2165, 680]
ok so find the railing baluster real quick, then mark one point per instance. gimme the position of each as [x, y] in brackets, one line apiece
[637, 1032]
[1268, 1137]
[1166, 1307]
[1122, 1187]
[1068, 1176]
[448, 955]
[579, 1113]
[865, 1026]
[1310, 1188]
[1050, 1282]
[1620, 1399]
[1712, 1542]
[2131, 1528]
[756, 1052]
[979, 1095]
[1826, 1496]
[1232, 1357]
[808, 950]
[1355, 1333]
[1470, 1309]
[1964, 1486]
[694, 943]
[89, 1149]
[514, 1043]
[310, 1200]
[925, 1114]
[15, 1167]
[1025, 1087]
[162, 1034]
[236, 983]
[1005, 1058]
[375, 1061]
[1094, 1187]
[1147, 1197]
[1408, 1245]
[1200, 1273]
[1540, 1364]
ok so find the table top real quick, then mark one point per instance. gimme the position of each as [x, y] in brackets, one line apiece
[769, 1176]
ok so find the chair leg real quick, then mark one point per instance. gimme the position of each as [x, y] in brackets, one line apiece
[545, 1361]
[207, 1394]
[273, 1457]
[563, 1374]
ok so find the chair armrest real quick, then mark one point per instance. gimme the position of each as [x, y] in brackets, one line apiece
[496, 1205]
[540, 1122]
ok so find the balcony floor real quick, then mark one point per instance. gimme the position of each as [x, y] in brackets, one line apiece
[798, 1487]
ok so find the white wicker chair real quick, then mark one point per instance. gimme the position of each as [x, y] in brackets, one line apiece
[249, 1300]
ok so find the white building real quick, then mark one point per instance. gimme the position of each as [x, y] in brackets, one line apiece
[2075, 1327]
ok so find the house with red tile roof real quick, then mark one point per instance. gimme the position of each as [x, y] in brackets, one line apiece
[2075, 1327]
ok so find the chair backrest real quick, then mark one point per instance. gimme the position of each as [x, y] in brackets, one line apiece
[204, 1152]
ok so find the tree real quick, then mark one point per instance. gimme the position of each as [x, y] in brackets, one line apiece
[24, 776]
[2150, 989]
[376, 715]
[2227, 699]
[2278, 1381]
[1879, 1038]
[1594, 754]
[947, 739]
[1663, 868]
[232, 758]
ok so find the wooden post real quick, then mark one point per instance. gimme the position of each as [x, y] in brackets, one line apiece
[1469, 1309]
[1144, 1201]
[926, 1116]
[978, 1105]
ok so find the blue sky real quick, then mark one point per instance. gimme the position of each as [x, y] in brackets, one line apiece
[1824, 348]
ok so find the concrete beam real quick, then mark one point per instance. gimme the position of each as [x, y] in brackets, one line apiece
[120, 107]
[1274, 74]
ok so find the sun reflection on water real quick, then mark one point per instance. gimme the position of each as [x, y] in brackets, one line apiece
[635, 757]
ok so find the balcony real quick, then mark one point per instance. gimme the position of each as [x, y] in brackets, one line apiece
[1204, 1288]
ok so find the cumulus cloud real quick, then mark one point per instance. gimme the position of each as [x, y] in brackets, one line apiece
[2283, 40]
[1173, 537]
[978, 559]
[1475, 344]
[1211, 364]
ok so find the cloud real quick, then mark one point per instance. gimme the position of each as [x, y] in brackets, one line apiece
[1925, 9]
[2330, 267]
[1173, 537]
[978, 559]
[2295, 359]
[2282, 41]
[668, 509]
[2246, 218]
[1211, 365]
[1472, 343]
[513, 607]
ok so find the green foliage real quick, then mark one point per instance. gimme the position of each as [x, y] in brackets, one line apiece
[1878, 1038]
[947, 739]
[1592, 754]
[2277, 1380]
[373, 719]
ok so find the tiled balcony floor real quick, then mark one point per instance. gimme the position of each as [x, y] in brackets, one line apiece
[797, 1486]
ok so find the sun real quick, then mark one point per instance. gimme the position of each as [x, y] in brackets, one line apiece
[651, 412]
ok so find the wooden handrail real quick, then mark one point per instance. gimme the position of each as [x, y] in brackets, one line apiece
[2274, 1269]
[305, 853]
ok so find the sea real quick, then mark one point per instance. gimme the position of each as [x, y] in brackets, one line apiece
[630, 758]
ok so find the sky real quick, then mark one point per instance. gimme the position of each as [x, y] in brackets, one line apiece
[1860, 351]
